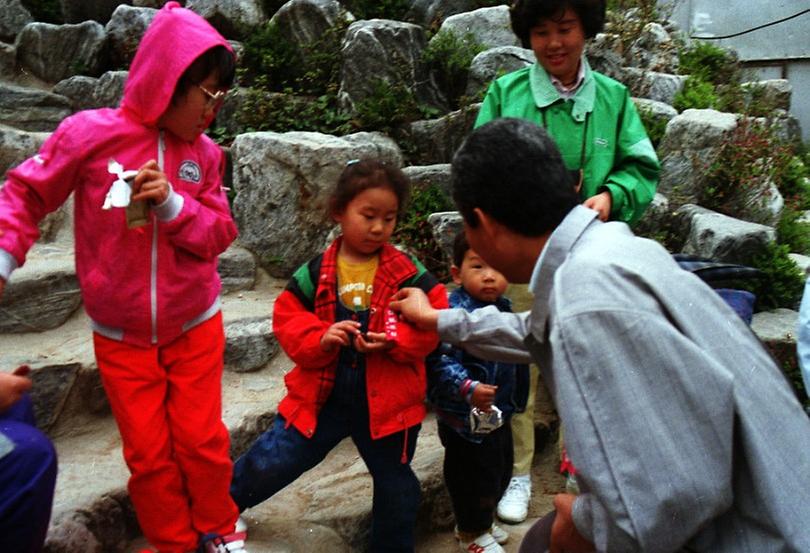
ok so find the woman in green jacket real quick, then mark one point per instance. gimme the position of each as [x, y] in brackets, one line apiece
[589, 115]
[603, 142]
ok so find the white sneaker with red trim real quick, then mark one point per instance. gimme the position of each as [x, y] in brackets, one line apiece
[484, 543]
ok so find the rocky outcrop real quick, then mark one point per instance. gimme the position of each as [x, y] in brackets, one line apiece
[13, 17]
[436, 140]
[490, 64]
[431, 13]
[282, 184]
[55, 52]
[31, 109]
[653, 85]
[422, 176]
[233, 18]
[489, 26]
[446, 225]
[125, 29]
[90, 93]
[303, 22]
[76, 11]
[380, 50]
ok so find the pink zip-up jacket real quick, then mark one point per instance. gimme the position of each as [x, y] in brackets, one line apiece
[148, 285]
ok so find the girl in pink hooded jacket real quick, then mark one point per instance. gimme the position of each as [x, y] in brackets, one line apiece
[152, 290]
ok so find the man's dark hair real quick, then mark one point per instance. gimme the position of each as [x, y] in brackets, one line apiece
[526, 14]
[217, 60]
[512, 170]
[460, 248]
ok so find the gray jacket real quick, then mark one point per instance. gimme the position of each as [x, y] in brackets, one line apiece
[685, 433]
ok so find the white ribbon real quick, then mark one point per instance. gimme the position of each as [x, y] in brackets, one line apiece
[120, 191]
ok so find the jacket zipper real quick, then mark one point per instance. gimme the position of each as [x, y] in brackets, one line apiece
[153, 273]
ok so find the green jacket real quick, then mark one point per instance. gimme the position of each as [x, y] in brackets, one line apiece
[619, 156]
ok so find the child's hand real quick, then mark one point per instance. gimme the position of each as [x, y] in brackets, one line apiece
[601, 203]
[372, 341]
[483, 396]
[150, 184]
[339, 334]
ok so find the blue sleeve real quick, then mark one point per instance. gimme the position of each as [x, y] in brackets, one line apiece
[446, 375]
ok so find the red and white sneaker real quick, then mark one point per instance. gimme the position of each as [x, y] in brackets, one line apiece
[230, 543]
[484, 543]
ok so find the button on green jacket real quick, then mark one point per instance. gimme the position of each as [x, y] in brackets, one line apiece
[619, 156]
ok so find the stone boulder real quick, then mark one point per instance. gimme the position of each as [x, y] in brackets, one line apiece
[125, 30]
[233, 18]
[52, 384]
[157, 4]
[775, 93]
[430, 13]
[659, 111]
[17, 146]
[41, 294]
[250, 344]
[55, 52]
[654, 50]
[383, 50]
[604, 53]
[109, 89]
[490, 26]
[90, 92]
[13, 17]
[8, 61]
[31, 109]
[422, 176]
[282, 184]
[691, 144]
[491, 64]
[436, 140]
[237, 269]
[303, 22]
[76, 11]
[721, 238]
[653, 85]
[446, 225]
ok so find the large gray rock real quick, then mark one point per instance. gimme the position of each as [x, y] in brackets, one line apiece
[237, 269]
[659, 111]
[446, 225]
[774, 93]
[232, 18]
[55, 52]
[430, 13]
[652, 84]
[76, 11]
[305, 21]
[691, 144]
[721, 238]
[654, 50]
[110, 89]
[604, 53]
[422, 176]
[149, 3]
[13, 17]
[490, 26]
[250, 344]
[436, 140]
[391, 51]
[90, 92]
[41, 294]
[52, 384]
[491, 64]
[283, 182]
[16, 146]
[125, 30]
[777, 326]
[8, 61]
[31, 109]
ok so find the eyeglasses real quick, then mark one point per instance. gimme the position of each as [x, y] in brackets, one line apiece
[212, 99]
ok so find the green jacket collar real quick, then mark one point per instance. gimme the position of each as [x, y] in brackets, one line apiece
[545, 93]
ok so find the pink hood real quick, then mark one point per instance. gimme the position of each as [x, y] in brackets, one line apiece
[162, 57]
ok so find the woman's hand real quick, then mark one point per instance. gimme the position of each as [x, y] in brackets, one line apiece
[601, 203]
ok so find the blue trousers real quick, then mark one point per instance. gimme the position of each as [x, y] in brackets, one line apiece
[27, 480]
[282, 454]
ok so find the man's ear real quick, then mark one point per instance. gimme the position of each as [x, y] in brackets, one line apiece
[455, 272]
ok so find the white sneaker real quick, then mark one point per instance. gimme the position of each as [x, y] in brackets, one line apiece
[514, 505]
[484, 543]
[501, 536]
[232, 543]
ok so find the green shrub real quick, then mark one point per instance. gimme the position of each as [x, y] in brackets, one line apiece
[792, 232]
[695, 94]
[782, 281]
[414, 232]
[388, 106]
[709, 63]
[655, 126]
[448, 56]
[46, 11]
[378, 9]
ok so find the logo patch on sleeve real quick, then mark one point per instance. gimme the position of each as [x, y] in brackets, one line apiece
[189, 171]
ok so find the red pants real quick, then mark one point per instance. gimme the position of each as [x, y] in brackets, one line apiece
[167, 402]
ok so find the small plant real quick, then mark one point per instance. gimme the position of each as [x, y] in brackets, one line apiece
[792, 232]
[280, 112]
[416, 234]
[387, 106]
[627, 18]
[782, 281]
[709, 63]
[655, 126]
[695, 94]
[449, 55]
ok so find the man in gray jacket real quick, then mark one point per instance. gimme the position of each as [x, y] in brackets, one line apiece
[685, 434]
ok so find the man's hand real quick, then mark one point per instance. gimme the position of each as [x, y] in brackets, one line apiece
[150, 184]
[372, 341]
[13, 386]
[601, 203]
[339, 334]
[414, 305]
[483, 396]
[564, 535]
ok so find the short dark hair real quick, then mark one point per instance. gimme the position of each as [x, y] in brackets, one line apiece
[512, 170]
[460, 248]
[217, 60]
[361, 175]
[526, 14]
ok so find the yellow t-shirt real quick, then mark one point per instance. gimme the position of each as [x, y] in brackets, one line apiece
[355, 282]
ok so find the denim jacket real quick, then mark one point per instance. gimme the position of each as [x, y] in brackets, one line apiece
[453, 374]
